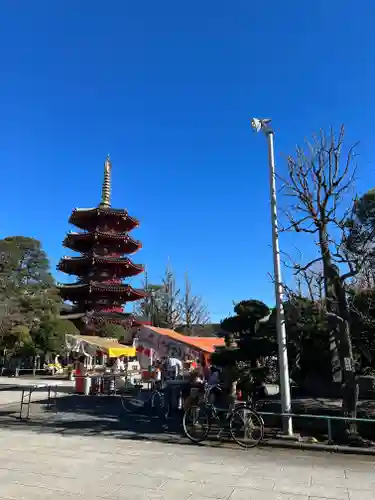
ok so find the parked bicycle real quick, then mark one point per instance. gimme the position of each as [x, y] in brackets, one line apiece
[140, 400]
[245, 425]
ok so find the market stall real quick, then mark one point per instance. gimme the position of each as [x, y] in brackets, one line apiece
[162, 344]
[152, 342]
[94, 347]
[91, 354]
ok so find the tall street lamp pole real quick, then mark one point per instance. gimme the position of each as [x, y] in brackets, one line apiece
[264, 126]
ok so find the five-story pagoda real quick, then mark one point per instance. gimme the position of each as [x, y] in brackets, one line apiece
[100, 292]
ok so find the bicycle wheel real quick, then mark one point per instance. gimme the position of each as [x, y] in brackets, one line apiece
[132, 402]
[159, 404]
[246, 427]
[196, 423]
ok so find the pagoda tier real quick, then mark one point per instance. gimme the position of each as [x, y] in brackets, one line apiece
[120, 243]
[116, 317]
[119, 267]
[103, 217]
[127, 320]
[93, 291]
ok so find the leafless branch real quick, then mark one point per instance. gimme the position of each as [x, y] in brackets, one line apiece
[193, 310]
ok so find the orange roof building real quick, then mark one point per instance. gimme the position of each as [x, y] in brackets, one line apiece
[169, 342]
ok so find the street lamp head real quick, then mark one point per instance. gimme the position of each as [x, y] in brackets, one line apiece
[263, 124]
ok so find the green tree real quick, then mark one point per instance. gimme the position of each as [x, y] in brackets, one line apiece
[29, 265]
[49, 335]
[18, 341]
[360, 242]
[112, 330]
[9, 298]
[250, 343]
[362, 327]
[308, 339]
[27, 291]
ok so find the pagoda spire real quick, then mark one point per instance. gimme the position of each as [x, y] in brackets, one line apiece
[106, 189]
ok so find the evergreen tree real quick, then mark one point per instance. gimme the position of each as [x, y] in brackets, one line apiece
[49, 335]
[250, 343]
[27, 292]
[114, 331]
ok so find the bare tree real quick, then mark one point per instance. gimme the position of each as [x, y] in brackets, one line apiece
[309, 282]
[162, 305]
[170, 299]
[150, 306]
[193, 310]
[317, 183]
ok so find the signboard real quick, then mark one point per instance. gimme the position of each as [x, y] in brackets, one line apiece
[166, 346]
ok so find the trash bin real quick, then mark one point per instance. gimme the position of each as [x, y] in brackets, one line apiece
[86, 385]
[79, 384]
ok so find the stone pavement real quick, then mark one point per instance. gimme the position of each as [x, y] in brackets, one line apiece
[44, 465]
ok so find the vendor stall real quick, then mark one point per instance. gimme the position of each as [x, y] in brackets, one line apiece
[93, 347]
[92, 354]
[161, 344]
[156, 343]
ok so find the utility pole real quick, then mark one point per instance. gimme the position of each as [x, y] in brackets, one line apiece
[286, 407]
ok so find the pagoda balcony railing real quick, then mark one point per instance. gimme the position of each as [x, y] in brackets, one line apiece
[100, 230]
[87, 257]
[121, 257]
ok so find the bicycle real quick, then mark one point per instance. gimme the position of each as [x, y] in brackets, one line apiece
[155, 401]
[241, 416]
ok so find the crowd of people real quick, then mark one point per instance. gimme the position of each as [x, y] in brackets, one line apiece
[193, 375]
[170, 368]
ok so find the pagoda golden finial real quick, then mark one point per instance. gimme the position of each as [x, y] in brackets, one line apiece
[106, 189]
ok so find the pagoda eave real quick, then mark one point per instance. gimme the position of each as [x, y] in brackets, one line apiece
[83, 242]
[79, 266]
[88, 218]
[119, 293]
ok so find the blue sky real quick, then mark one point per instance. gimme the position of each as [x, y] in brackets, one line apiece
[168, 88]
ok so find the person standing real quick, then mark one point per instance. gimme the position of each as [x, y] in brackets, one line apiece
[175, 367]
[80, 374]
[158, 376]
[120, 365]
[206, 370]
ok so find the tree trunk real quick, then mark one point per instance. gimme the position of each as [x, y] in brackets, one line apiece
[349, 382]
[338, 316]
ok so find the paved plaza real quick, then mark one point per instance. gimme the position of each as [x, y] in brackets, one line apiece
[90, 450]
[41, 465]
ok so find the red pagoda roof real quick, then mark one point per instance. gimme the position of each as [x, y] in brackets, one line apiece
[118, 292]
[91, 218]
[110, 317]
[120, 266]
[83, 242]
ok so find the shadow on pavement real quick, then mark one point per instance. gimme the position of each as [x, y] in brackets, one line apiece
[94, 415]
[105, 416]
[101, 416]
